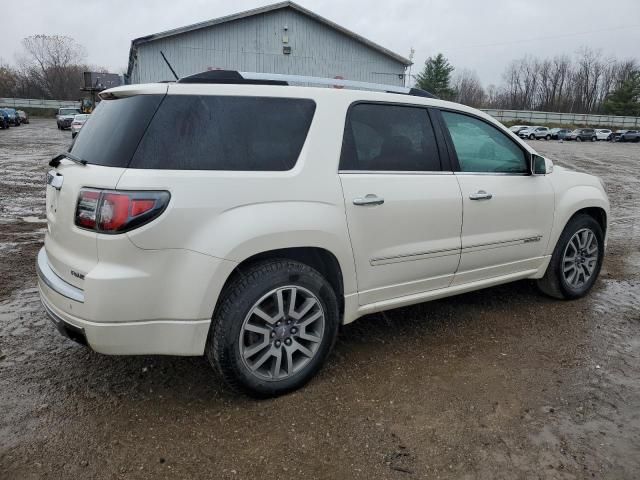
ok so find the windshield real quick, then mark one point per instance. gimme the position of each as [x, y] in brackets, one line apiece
[68, 111]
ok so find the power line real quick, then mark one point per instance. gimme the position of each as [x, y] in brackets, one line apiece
[550, 37]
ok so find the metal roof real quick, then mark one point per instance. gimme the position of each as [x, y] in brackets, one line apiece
[271, 8]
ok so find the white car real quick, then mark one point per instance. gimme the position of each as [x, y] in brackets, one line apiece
[535, 132]
[248, 221]
[77, 123]
[604, 134]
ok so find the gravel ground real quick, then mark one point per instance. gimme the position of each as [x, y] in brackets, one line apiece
[503, 383]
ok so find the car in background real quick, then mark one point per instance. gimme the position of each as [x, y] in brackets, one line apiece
[626, 136]
[78, 122]
[65, 117]
[604, 134]
[14, 119]
[4, 119]
[559, 133]
[24, 118]
[517, 128]
[533, 132]
[542, 132]
[582, 135]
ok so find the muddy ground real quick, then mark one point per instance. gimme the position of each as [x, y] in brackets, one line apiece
[503, 383]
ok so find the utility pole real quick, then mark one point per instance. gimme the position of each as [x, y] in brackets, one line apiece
[412, 54]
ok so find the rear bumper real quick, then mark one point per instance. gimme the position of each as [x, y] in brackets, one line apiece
[69, 308]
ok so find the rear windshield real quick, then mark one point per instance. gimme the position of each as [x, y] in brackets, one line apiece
[112, 135]
[192, 132]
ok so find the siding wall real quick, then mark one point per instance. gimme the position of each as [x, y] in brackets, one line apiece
[254, 44]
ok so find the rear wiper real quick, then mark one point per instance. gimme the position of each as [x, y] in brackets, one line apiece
[55, 161]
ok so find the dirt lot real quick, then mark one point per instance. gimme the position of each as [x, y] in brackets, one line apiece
[503, 383]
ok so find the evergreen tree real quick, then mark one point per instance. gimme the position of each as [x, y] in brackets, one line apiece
[436, 77]
[625, 100]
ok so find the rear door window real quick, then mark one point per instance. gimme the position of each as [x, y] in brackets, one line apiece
[193, 132]
[384, 137]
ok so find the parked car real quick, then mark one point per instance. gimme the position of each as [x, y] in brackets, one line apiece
[559, 133]
[604, 134]
[533, 132]
[4, 119]
[250, 237]
[517, 128]
[626, 136]
[582, 135]
[77, 124]
[24, 118]
[14, 119]
[65, 117]
[542, 132]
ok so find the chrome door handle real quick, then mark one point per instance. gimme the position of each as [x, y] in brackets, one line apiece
[481, 195]
[369, 199]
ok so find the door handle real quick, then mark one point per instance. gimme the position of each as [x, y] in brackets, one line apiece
[481, 195]
[369, 199]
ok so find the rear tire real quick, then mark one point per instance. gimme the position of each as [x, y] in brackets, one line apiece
[531, 137]
[263, 339]
[576, 260]
[578, 139]
[593, 139]
[548, 137]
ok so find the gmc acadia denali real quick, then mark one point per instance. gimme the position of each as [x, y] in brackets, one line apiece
[237, 216]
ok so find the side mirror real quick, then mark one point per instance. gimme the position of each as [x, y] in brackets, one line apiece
[540, 165]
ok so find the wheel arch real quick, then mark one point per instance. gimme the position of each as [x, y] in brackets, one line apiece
[320, 259]
[577, 201]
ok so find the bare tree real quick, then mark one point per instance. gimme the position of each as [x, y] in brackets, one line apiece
[468, 89]
[52, 64]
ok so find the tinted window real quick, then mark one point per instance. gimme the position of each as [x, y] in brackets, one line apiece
[191, 132]
[111, 135]
[483, 148]
[389, 138]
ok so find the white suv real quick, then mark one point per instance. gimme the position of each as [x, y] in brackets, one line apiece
[239, 217]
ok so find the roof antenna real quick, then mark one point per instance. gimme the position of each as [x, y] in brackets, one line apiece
[169, 65]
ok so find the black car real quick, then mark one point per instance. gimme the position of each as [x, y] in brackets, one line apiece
[626, 136]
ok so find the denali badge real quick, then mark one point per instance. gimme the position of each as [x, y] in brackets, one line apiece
[77, 275]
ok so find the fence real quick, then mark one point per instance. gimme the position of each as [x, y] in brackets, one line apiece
[37, 103]
[563, 118]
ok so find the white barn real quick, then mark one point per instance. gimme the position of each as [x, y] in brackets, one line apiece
[280, 38]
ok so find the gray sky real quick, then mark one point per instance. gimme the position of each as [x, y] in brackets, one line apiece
[482, 35]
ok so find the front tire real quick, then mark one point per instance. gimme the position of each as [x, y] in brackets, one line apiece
[274, 327]
[576, 260]
[531, 137]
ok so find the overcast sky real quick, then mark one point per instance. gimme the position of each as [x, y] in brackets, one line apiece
[482, 35]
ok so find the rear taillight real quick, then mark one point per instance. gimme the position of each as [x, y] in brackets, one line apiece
[111, 211]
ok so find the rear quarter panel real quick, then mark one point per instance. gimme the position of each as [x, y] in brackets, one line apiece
[235, 215]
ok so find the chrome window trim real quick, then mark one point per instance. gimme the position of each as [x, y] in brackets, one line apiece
[396, 172]
[500, 174]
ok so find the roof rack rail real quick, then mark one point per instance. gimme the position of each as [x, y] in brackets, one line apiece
[253, 78]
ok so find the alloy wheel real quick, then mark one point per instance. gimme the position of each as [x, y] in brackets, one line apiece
[580, 258]
[282, 333]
